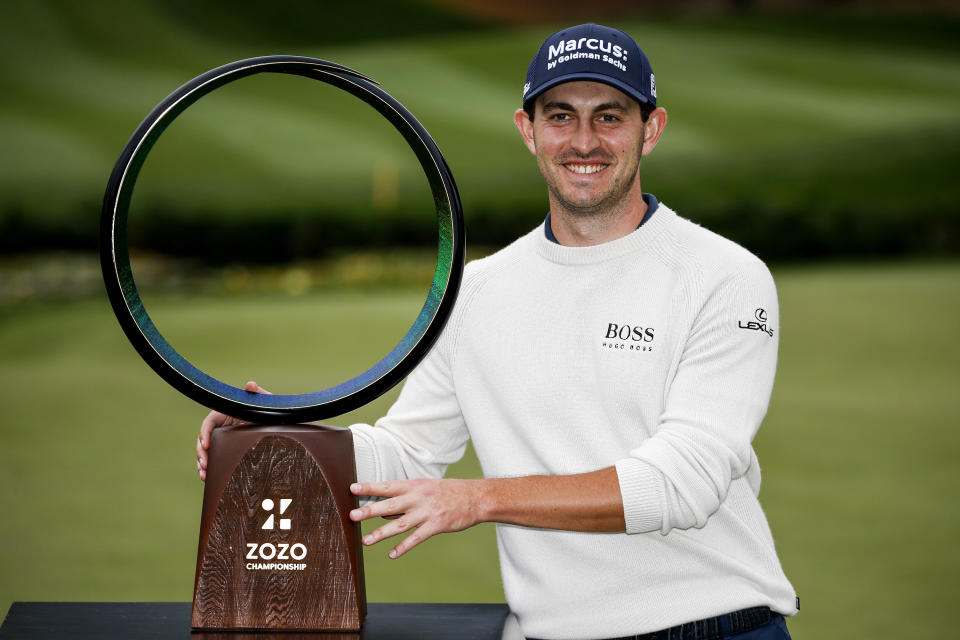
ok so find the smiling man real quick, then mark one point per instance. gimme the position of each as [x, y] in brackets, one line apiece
[589, 138]
[607, 369]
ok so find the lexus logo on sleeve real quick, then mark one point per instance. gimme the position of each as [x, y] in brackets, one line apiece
[760, 324]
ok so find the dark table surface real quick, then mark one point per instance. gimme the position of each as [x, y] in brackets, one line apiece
[162, 620]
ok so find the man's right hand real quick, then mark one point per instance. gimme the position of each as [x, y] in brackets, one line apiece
[213, 420]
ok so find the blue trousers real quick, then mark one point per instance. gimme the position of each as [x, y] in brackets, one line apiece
[775, 629]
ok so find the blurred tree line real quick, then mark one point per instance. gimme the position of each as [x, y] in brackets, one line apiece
[800, 132]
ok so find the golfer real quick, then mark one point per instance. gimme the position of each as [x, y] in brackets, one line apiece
[611, 367]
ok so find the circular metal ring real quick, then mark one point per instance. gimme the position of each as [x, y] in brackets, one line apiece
[174, 368]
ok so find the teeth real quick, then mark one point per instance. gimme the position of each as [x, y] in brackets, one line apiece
[585, 168]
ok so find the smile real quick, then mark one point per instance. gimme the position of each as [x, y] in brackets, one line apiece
[585, 168]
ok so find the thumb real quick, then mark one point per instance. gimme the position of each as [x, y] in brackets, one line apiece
[253, 387]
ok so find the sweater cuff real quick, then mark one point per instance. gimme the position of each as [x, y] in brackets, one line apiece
[641, 488]
[364, 453]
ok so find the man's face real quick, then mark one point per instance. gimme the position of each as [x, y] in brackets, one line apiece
[588, 139]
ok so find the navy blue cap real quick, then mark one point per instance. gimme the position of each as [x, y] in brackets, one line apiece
[591, 52]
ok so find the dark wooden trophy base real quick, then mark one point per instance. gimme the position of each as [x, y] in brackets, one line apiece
[277, 548]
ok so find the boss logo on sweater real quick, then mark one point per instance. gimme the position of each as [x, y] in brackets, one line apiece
[628, 337]
[760, 324]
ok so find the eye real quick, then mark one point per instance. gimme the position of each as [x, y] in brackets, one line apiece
[609, 117]
[560, 117]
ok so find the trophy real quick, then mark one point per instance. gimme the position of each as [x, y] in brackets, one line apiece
[277, 550]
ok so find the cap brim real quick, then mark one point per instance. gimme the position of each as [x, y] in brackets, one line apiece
[592, 77]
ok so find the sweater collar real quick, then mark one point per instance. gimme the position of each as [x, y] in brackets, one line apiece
[648, 198]
[638, 240]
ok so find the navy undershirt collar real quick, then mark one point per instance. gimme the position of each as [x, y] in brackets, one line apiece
[649, 198]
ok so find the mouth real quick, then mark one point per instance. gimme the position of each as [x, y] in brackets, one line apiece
[585, 168]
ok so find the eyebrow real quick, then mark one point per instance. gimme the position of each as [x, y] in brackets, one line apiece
[566, 106]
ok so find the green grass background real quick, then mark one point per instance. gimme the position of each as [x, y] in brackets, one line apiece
[799, 133]
[859, 449]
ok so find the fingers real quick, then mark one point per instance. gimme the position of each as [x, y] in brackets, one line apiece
[421, 532]
[419, 535]
[379, 489]
[388, 530]
[213, 420]
[392, 508]
[201, 460]
[203, 440]
[422, 507]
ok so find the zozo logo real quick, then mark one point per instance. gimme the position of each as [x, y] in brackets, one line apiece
[281, 550]
[268, 506]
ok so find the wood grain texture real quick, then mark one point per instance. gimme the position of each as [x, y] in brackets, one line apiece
[317, 586]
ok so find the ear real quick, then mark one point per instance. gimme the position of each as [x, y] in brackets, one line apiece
[525, 126]
[653, 128]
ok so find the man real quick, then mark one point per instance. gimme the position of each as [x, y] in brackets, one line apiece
[612, 368]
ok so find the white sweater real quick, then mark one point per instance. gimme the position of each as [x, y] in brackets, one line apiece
[655, 353]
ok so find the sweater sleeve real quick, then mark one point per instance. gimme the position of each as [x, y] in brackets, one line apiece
[713, 407]
[423, 431]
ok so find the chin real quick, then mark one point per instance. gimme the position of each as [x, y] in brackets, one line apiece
[583, 209]
[590, 201]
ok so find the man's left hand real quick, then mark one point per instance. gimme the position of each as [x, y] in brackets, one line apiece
[426, 506]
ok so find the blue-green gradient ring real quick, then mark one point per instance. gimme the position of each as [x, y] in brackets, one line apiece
[174, 368]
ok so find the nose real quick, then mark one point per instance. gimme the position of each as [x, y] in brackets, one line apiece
[585, 138]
